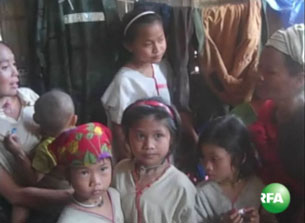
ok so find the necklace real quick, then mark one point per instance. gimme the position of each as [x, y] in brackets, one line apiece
[99, 203]
[144, 169]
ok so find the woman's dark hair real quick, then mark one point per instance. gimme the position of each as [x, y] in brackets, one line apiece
[156, 107]
[230, 133]
[132, 30]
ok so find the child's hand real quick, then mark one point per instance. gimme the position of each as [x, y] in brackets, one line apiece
[252, 215]
[232, 217]
[12, 144]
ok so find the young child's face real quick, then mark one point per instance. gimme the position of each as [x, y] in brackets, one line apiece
[217, 163]
[149, 45]
[149, 140]
[90, 182]
[8, 72]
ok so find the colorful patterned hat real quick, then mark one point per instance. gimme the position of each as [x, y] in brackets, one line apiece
[83, 145]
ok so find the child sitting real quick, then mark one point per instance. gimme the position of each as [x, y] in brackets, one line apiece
[151, 129]
[232, 192]
[54, 112]
[85, 152]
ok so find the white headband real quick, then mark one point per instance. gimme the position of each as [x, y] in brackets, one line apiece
[135, 18]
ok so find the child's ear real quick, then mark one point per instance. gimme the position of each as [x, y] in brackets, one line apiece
[73, 120]
[67, 174]
[36, 118]
[128, 47]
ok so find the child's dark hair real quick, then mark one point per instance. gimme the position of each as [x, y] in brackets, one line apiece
[134, 19]
[156, 107]
[230, 133]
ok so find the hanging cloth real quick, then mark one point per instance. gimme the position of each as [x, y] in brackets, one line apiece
[76, 50]
[230, 55]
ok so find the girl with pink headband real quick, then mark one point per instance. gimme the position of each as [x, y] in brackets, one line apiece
[151, 188]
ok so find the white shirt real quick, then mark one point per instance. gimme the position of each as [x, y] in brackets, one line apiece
[212, 203]
[170, 199]
[72, 214]
[24, 127]
[130, 85]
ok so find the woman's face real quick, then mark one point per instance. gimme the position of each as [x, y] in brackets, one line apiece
[8, 72]
[276, 82]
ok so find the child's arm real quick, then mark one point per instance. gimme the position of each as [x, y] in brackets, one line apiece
[30, 197]
[120, 150]
[13, 145]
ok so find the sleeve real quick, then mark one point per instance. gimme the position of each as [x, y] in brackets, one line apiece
[187, 212]
[201, 207]
[43, 160]
[120, 94]
[28, 95]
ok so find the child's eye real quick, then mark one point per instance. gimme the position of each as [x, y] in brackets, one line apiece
[147, 44]
[160, 40]
[215, 159]
[140, 136]
[104, 168]
[158, 135]
[84, 172]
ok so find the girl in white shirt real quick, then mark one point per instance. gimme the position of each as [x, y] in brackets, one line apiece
[152, 190]
[141, 76]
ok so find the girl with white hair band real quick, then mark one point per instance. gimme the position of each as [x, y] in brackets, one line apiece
[279, 131]
[141, 77]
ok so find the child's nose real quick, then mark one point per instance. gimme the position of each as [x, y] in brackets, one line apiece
[95, 179]
[208, 166]
[157, 48]
[149, 144]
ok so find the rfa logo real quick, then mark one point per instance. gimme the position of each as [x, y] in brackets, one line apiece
[271, 197]
[275, 198]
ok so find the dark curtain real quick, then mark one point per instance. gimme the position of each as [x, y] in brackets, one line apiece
[74, 50]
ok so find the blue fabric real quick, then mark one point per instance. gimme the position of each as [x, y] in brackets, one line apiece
[295, 7]
[201, 172]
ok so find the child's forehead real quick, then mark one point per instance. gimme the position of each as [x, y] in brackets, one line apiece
[150, 120]
[102, 162]
[149, 30]
[213, 149]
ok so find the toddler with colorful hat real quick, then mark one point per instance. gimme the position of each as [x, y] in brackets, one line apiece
[85, 152]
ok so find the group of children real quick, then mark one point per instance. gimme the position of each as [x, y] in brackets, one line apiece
[147, 187]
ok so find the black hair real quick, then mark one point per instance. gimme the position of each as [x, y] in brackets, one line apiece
[230, 133]
[134, 113]
[132, 30]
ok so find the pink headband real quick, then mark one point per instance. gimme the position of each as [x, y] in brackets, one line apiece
[156, 104]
